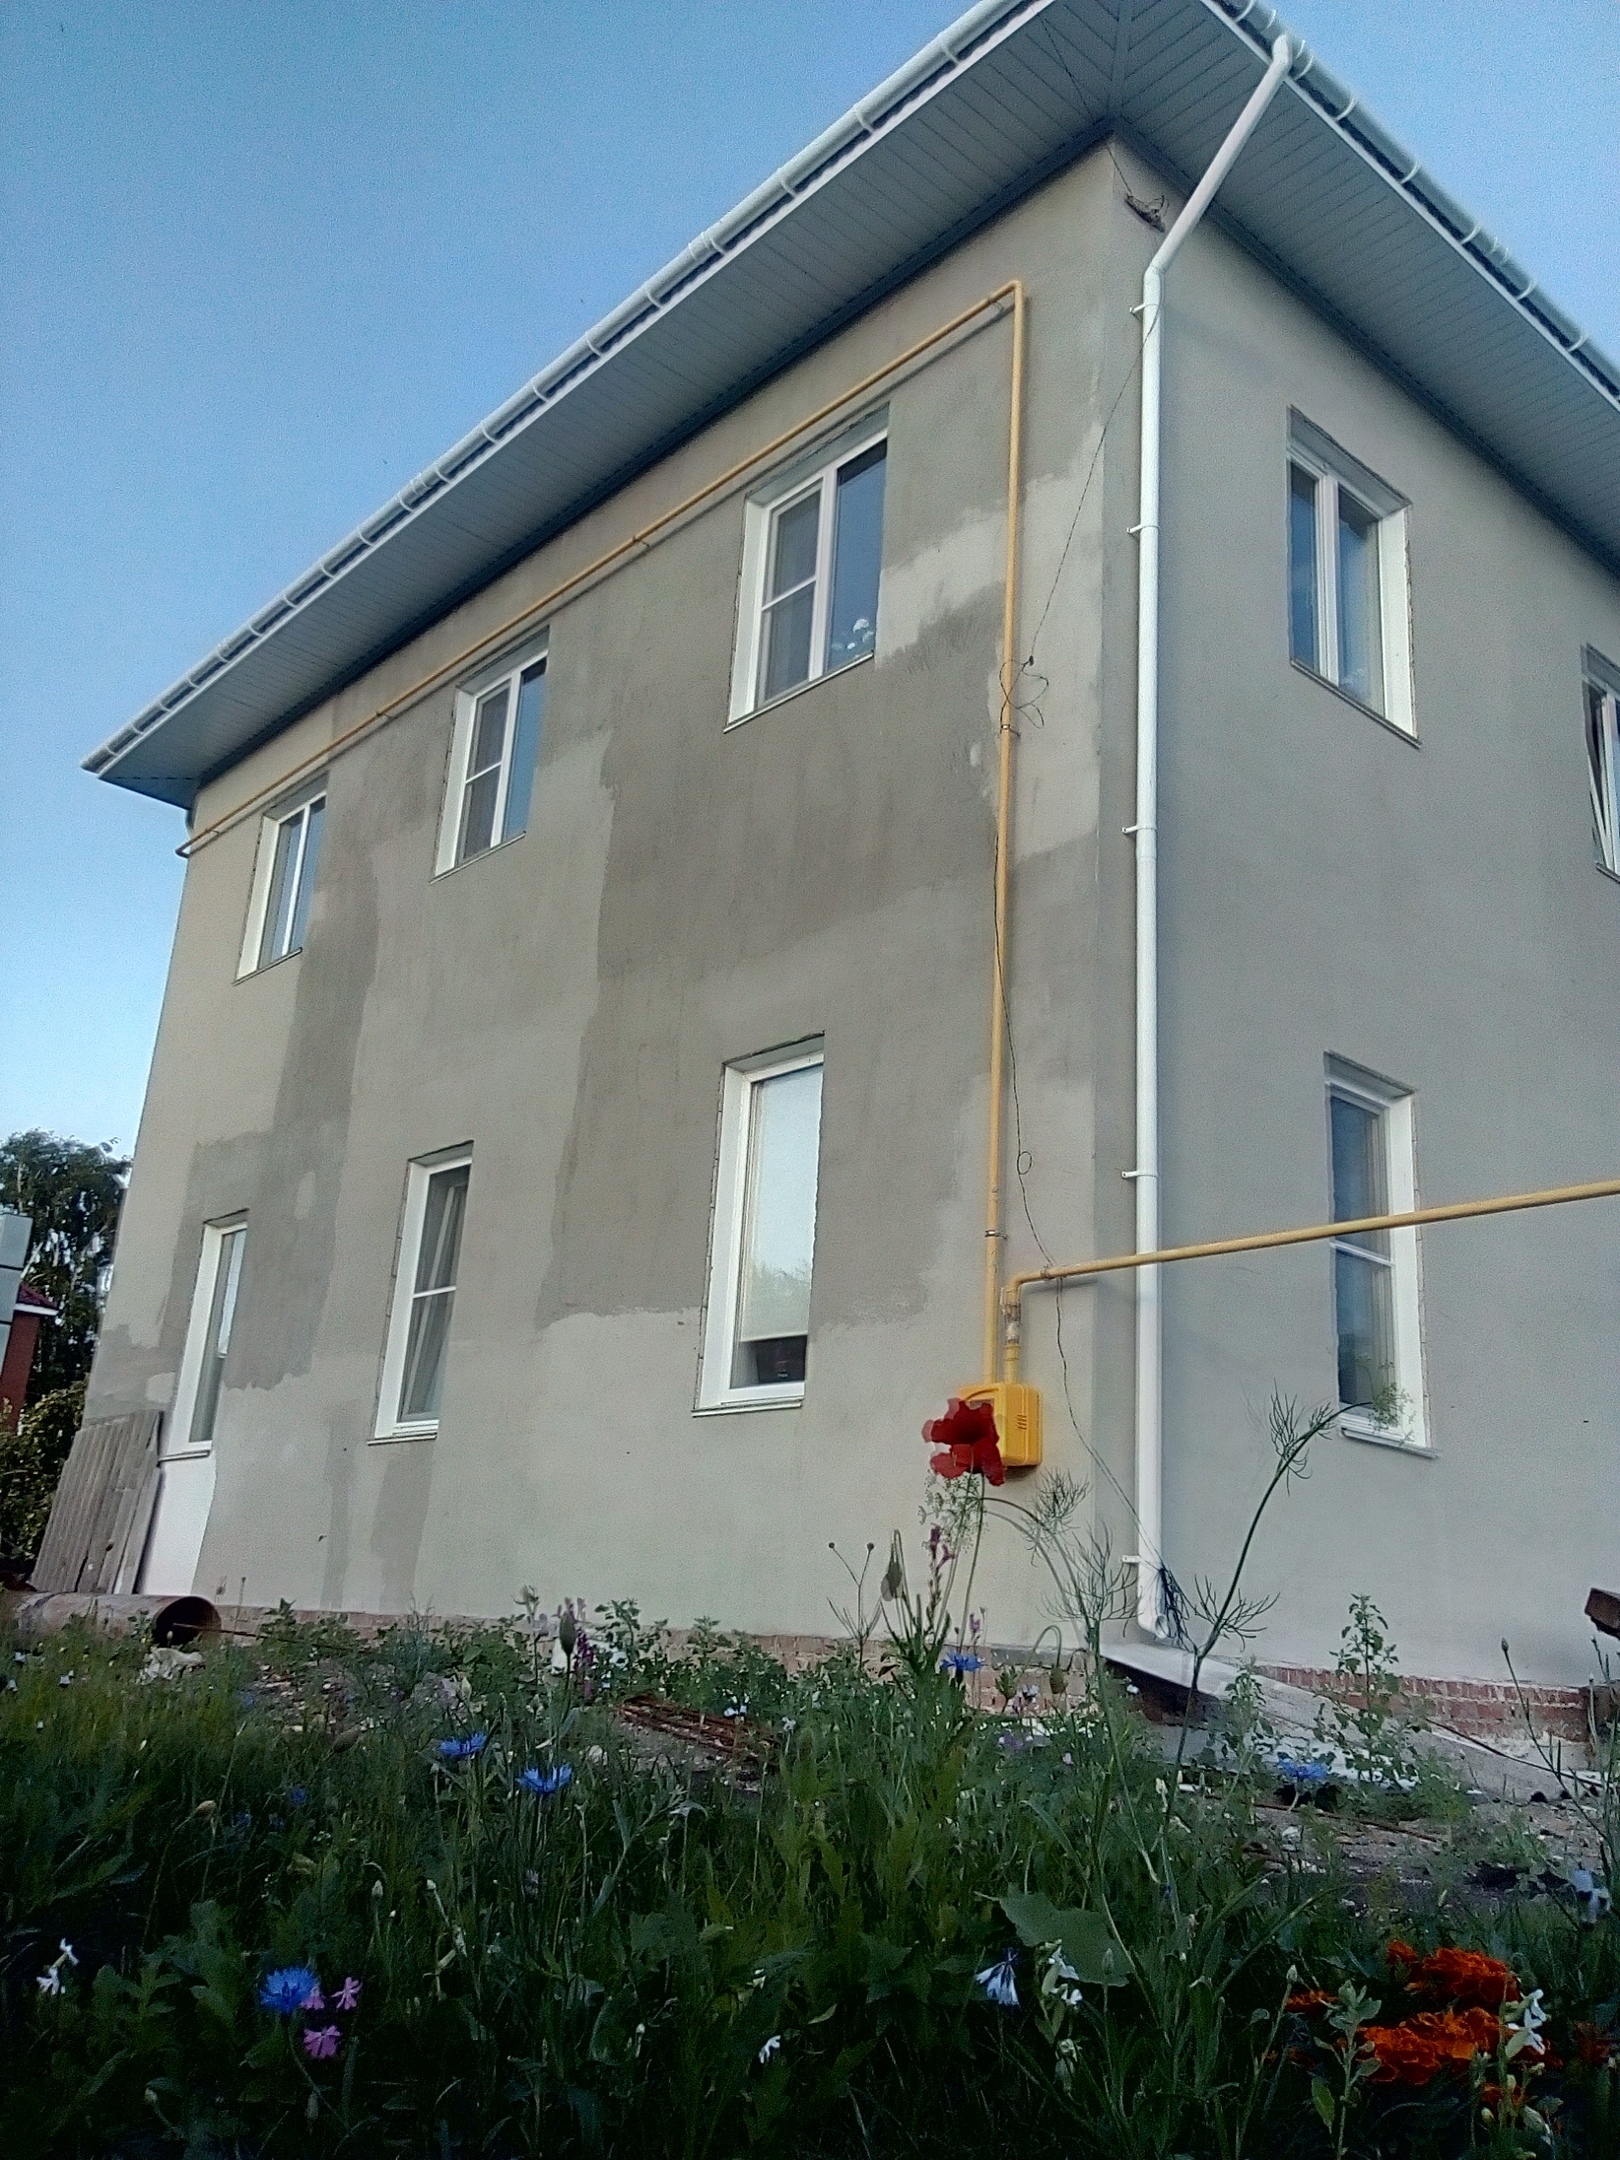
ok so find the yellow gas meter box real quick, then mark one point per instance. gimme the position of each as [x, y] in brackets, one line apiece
[1018, 1419]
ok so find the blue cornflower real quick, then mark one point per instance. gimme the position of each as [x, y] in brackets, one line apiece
[961, 1661]
[459, 1750]
[298, 1796]
[1301, 1773]
[288, 1987]
[997, 1980]
[546, 1782]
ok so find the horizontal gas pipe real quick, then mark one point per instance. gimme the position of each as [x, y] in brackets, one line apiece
[535, 611]
[1012, 1298]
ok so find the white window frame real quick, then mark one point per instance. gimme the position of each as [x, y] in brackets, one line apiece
[1332, 468]
[715, 1388]
[177, 1444]
[390, 1425]
[468, 697]
[1600, 701]
[264, 870]
[1395, 1108]
[816, 473]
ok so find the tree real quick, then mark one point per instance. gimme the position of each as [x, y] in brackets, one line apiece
[73, 1191]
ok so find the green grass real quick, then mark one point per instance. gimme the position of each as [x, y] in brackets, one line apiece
[603, 1970]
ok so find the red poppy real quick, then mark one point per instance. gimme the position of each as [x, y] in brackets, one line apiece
[966, 1439]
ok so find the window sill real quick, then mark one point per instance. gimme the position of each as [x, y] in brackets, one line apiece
[403, 1432]
[252, 974]
[786, 697]
[763, 1401]
[1354, 1428]
[1409, 736]
[483, 855]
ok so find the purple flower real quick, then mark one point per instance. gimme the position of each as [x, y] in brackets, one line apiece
[321, 2042]
[314, 2000]
[348, 1995]
[998, 1980]
[544, 1783]
[288, 1987]
[460, 1750]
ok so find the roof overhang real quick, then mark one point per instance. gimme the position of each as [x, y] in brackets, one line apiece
[1009, 94]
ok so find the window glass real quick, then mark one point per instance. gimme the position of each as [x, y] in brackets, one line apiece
[778, 1229]
[1602, 743]
[525, 750]
[790, 596]
[1363, 1279]
[1302, 642]
[857, 557]
[483, 782]
[292, 882]
[433, 1295]
[1361, 630]
[217, 1340]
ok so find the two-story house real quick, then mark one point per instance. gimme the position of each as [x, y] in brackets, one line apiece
[586, 1078]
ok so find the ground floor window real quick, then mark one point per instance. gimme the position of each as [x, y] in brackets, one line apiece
[208, 1338]
[424, 1297]
[757, 1333]
[1376, 1304]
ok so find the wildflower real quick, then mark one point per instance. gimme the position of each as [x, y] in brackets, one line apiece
[64, 1951]
[1524, 2031]
[998, 1980]
[966, 1439]
[50, 1981]
[961, 1661]
[1290, 1772]
[298, 1797]
[1593, 1895]
[348, 1995]
[314, 2000]
[1060, 1980]
[1309, 1999]
[285, 1989]
[461, 1750]
[543, 1783]
[321, 2042]
[771, 2047]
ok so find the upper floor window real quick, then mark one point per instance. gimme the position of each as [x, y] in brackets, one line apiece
[1376, 1312]
[492, 759]
[812, 553]
[283, 882]
[1602, 689]
[424, 1297]
[757, 1333]
[1347, 575]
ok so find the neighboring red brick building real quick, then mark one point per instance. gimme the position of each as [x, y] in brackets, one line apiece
[30, 1316]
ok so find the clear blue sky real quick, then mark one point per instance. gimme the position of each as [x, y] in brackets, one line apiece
[263, 261]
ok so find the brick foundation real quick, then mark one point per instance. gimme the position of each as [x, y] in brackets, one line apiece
[1483, 1709]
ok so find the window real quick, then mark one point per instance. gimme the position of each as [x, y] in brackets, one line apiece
[1347, 582]
[756, 1338]
[424, 1295]
[208, 1339]
[283, 881]
[812, 555]
[1602, 691]
[1376, 1306]
[492, 759]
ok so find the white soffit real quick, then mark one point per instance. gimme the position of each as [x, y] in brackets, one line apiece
[1006, 96]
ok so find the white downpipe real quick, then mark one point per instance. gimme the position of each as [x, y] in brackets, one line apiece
[1149, 1312]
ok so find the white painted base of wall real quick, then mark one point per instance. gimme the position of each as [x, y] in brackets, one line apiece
[185, 1494]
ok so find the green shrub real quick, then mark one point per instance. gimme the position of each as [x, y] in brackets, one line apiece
[31, 1462]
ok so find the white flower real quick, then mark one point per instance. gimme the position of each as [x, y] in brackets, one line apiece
[64, 1949]
[1524, 2029]
[771, 2047]
[50, 1981]
[1061, 1980]
[998, 1982]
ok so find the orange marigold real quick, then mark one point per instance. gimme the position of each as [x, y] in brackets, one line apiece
[1412, 2052]
[1467, 1978]
[1310, 1999]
